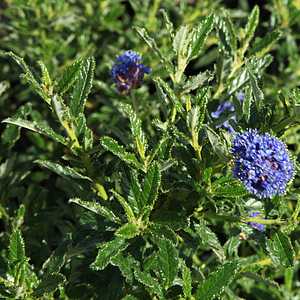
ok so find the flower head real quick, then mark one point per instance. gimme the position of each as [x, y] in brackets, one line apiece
[257, 226]
[262, 163]
[226, 107]
[128, 72]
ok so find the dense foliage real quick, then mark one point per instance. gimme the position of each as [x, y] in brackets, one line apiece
[149, 149]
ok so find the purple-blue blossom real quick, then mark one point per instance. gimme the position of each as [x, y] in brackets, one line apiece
[227, 107]
[128, 71]
[257, 226]
[262, 163]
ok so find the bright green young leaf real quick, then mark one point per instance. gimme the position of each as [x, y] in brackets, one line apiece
[16, 247]
[246, 106]
[136, 129]
[217, 281]
[281, 250]
[200, 35]
[167, 262]
[97, 208]
[128, 231]
[251, 27]
[69, 76]
[82, 86]
[195, 82]
[37, 127]
[28, 76]
[106, 253]
[186, 281]
[126, 206]
[64, 171]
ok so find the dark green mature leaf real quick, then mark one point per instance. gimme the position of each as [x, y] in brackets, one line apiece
[281, 250]
[49, 284]
[37, 127]
[64, 171]
[209, 238]
[12, 132]
[147, 280]
[128, 231]
[69, 76]
[150, 189]
[265, 44]
[97, 208]
[217, 281]
[229, 189]
[200, 35]
[218, 144]
[168, 262]
[165, 89]
[258, 95]
[82, 86]
[16, 247]
[127, 264]
[107, 251]
[113, 146]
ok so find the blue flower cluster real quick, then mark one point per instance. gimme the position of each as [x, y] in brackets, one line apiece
[257, 226]
[128, 72]
[226, 107]
[262, 163]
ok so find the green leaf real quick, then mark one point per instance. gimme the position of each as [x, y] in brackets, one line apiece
[129, 297]
[209, 239]
[256, 91]
[281, 250]
[217, 281]
[97, 209]
[251, 27]
[142, 32]
[37, 127]
[11, 134]
[218, 144]
[127, 208]
[63, 171]
[227, 33]
[69, 76]
[4, 85]
[136, 129]
[113, 146]
[186, 281]
[264, 45]
[195, 82]
[82, 86]
[128, 231]
[228, 189]
[16, 247]
[167, 262]
[165, 91]
[147, 280]
[200, 35]
[246, 106]
[150, 189]
[49, 284]
[126, 263]
[62, 111]
[107, 251]
[28, 76]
